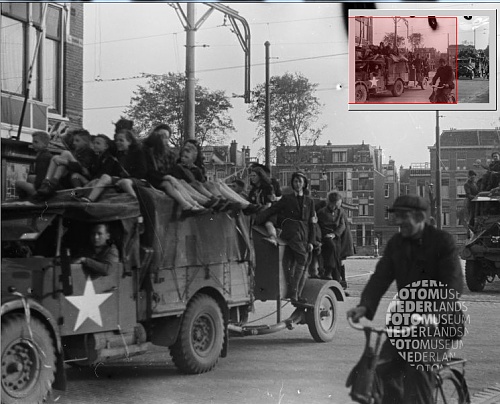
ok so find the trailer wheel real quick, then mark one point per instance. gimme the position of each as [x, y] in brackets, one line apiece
[397, 88]
[322, 319]
[28, 360]
[201, 336]
[424, 83]
[361, 93]
[474, 276]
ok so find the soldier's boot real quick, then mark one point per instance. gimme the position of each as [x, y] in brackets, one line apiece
[300, 288]
[296, 286]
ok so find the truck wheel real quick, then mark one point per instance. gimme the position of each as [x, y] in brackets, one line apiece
[322, 319]
[397, 88]
[201, 336]
[361, 93]
[28, 360]
[474, 276]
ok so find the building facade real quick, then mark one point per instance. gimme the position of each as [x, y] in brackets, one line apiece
[222, 162]
[461, 151]
[363, 28]
[357, 172]
[41, 78]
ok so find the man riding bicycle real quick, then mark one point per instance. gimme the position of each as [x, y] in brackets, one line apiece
[418, 252]
[445, 75]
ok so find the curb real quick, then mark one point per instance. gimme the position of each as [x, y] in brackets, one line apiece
[490, 395]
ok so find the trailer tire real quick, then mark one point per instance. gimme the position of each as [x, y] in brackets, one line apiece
[361, 93]
[424, 83]
[322, 319]
[474, 277]
[28, 363]
[201, 336]
[398, 88]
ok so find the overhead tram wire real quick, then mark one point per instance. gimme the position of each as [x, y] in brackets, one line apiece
[145, 75]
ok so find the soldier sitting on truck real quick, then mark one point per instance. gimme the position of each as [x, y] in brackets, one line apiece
[99, 259]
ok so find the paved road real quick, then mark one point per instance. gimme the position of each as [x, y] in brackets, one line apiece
[287, 367]
[469, 91]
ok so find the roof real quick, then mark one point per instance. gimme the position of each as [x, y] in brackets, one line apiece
[470, 137]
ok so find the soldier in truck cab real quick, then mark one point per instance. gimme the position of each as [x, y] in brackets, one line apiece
[99, 259]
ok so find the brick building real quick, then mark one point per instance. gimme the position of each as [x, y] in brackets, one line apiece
[357, 172]
[56, 91]
[460, 149]
[224, 161]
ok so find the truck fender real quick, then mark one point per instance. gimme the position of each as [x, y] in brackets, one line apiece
[314, 287]
[37, 310]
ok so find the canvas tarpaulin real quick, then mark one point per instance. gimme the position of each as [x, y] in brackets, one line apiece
[180, 241]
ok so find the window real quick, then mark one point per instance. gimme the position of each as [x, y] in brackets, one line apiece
[52, 65]
[386, 190]
[446, 219]
[421, 188]
[387, 214]
[19, 40]
[445, 189]
[460, 187]
[461, 160]
[364, 181]
[363, 207]
[339, 181]
[339, 156]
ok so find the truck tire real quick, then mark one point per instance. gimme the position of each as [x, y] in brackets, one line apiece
[474, 276]
[28, 362]
[361, 93]
[322, 319]
[201, 336]
[398, 88]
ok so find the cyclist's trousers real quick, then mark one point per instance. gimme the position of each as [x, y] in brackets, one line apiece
[401, 382]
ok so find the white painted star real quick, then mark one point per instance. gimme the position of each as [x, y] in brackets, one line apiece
[88, 304]
[374, 81]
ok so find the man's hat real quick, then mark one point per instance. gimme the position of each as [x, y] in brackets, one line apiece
[409, 202]
[471, 172]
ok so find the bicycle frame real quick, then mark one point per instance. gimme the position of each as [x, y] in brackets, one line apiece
[363, 392]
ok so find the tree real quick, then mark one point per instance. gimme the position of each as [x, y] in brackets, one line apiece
[389, 39]
[416, 39]
[161, 100]
[294, 111]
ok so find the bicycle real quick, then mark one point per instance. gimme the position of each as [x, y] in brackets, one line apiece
[450, 96]
[449, 382]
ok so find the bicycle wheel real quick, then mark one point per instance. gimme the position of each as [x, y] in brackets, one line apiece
[449, 389]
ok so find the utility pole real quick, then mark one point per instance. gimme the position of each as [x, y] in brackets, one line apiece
[439, 222]
[267, 111]
[240, 28]
[189, 102]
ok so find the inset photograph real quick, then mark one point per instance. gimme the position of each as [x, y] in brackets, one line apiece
[413, 60]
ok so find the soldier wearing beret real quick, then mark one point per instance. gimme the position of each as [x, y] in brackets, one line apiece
[417, 252]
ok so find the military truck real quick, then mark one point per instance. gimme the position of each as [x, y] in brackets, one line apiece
[482, 250]
[382, 75]
[182, 282]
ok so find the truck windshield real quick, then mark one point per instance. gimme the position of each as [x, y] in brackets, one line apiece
[25, 228]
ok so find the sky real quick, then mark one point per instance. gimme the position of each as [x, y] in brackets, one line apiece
[124, 40]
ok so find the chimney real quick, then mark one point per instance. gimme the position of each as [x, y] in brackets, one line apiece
[233, 152]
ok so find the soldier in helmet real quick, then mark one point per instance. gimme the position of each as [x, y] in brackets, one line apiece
[296, 216]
